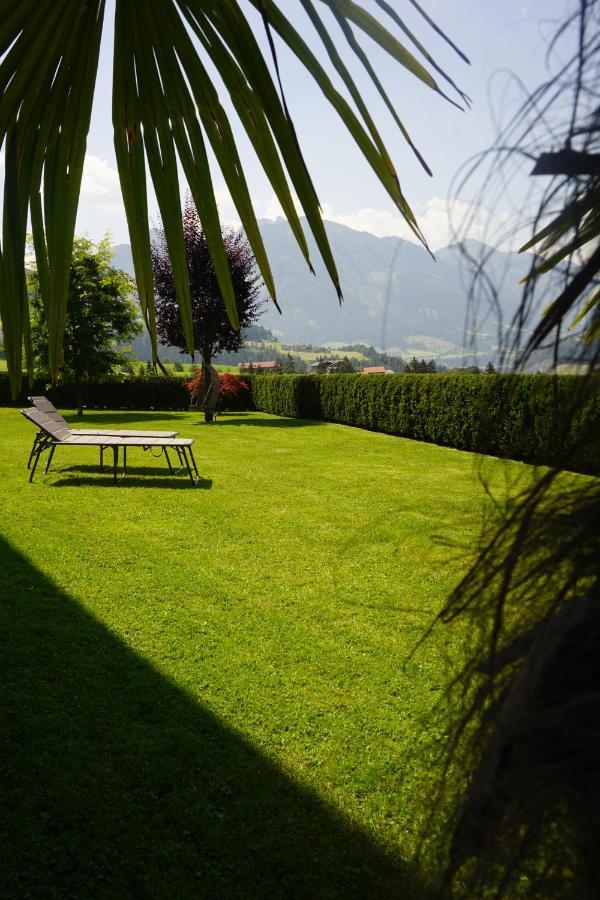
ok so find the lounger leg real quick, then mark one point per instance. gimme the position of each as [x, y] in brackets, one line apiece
[194, 463]
[115, 451]
[102, 459]
[182, 459]
[168, 460]
[124, 461]
[187, 462]
[51, 454]
[36, 441]
[36, 461]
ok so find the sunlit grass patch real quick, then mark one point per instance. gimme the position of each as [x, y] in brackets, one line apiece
[244, 661]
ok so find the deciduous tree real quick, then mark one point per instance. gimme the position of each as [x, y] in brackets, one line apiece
[101, 314]
[211, 326]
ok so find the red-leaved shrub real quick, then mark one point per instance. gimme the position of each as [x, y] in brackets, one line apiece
[234, 393]
[231, 385]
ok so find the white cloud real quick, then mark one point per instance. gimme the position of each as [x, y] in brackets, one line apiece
[99, 179]
[100, 195]
[228, 214]
[273, 209]
[442, 221]
[101, 207]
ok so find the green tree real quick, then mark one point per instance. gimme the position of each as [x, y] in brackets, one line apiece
[212, 328]
[421, 366]
[288, 366]
[101, 314]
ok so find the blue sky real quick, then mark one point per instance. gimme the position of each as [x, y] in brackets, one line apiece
[505, 40]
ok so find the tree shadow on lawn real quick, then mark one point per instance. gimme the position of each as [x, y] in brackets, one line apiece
[115, 783]
[250, 419]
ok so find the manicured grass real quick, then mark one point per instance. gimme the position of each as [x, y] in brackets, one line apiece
[190, 368]
[210, 692]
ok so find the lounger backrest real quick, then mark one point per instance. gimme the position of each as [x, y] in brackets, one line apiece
[46, 422]
[46, 406]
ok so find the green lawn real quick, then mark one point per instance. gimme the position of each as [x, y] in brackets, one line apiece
[189, 368]
[208, 692]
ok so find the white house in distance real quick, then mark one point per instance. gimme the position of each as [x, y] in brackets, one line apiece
[273, 365]
[328, 366]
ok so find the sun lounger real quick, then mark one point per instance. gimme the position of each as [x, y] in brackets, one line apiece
[55, 434]
[46, 406]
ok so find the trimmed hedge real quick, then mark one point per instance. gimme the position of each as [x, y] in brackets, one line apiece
[154, 392]
[524, 417]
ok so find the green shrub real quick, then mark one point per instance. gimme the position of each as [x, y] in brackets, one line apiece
[526, 417]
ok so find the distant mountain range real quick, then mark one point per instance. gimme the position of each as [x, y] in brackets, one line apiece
[395, 295]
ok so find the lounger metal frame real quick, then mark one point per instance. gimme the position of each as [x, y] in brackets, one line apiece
[50, 411]
[47, 441]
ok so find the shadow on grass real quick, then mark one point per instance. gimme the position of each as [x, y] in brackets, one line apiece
[137, 476]
[116, 784]
[121, 417]
[130, 481]
[251, 419]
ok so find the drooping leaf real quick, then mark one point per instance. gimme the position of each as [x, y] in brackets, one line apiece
[167, 112]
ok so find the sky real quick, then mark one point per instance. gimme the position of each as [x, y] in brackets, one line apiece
[506, 42]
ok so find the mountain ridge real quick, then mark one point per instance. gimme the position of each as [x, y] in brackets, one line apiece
[395, 295]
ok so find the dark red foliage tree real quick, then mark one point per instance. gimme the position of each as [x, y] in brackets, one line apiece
[234, 393]
[212, 330]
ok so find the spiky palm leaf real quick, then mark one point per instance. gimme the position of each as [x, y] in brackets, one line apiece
[166, 107]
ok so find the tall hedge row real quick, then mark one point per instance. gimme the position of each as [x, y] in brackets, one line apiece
[535, 418]
[153, 392]
[525, 417]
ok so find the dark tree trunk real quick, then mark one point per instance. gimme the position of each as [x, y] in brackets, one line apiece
[205, 382]
[79, 398]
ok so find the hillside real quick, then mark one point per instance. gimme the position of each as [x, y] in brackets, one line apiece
[395, 295]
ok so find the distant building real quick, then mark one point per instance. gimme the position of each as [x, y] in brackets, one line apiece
[328, 366]
[273, 365]
[375, 370]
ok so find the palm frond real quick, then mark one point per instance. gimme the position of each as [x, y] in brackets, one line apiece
[167, 114]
